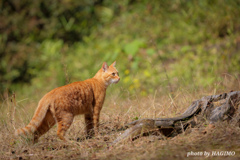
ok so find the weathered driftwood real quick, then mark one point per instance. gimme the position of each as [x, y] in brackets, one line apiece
[212, 109]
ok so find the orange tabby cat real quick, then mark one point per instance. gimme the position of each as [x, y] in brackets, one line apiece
[63, 103]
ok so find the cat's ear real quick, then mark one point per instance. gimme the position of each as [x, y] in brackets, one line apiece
[114, 64]
[104, 66]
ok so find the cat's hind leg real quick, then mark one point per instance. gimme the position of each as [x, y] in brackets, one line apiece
[46, 124]
[64, 122]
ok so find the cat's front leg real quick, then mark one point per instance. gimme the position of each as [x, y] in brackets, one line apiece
[89, 124]
[96, 116]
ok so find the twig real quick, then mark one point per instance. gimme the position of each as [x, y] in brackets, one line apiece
[13, 100]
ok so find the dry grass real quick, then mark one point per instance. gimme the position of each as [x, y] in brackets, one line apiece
[115, 114]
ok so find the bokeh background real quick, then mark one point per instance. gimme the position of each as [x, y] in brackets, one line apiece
[158, 45]
[168, 52]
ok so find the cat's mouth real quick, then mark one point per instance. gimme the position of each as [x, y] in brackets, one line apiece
[116, 81]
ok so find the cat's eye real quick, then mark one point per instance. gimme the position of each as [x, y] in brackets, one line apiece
[113, 74]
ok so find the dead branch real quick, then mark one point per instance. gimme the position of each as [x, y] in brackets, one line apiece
[214, 108]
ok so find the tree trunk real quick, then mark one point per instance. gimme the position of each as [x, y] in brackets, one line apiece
[215, 108]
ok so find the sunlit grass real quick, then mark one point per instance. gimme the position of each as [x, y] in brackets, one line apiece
[115, 114]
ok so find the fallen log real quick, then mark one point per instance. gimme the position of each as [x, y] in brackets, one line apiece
[214, 108]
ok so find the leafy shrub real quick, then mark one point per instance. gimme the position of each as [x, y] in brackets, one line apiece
[157, 44]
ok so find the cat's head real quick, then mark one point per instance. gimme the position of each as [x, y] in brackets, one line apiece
[110, 73]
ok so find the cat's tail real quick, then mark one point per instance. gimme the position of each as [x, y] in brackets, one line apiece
[37, 119]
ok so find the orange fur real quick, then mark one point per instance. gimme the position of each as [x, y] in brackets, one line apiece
[63, 103]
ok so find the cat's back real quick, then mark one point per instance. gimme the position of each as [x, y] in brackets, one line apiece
[76, 90]
[74, 94]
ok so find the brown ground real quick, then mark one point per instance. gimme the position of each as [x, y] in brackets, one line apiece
[115, 114]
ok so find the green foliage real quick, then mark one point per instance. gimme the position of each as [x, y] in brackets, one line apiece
[133, 47]
[25, 25]
[157, 44]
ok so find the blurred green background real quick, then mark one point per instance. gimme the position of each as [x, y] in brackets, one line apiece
[158, 44]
